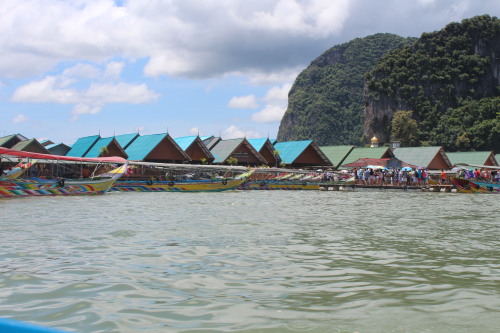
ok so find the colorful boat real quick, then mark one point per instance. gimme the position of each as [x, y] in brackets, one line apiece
[162, 177]
[294, 180]
[104, 176]
[278, 185]
[475, 186]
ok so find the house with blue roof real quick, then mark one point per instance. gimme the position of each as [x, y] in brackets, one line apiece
[156, 148]
[266, 149]
[126, 139]
[240, 149]
[106, 147]
[301, 154]
[195, 148]
[82, 146]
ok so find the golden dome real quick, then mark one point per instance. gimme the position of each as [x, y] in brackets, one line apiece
[374, 139]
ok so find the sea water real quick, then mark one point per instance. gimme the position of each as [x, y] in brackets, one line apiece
[253, 261]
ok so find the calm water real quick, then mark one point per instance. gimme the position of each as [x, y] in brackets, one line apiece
[256, 261]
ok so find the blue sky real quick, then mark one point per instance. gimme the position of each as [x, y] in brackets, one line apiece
[75, 68]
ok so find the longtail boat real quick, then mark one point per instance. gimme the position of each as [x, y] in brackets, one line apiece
[290, 179]
[165, 177]
[474, 185]
[105, 173]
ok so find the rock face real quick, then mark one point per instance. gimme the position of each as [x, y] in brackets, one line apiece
[326, 102]
[436, 78]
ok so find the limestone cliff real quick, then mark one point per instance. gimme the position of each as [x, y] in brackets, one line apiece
[441, 78]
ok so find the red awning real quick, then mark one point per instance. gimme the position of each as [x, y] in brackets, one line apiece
[18, 153]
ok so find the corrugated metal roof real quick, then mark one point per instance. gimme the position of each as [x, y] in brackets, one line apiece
[336, 154]
[257, 143]
[373, 152]
[224, 148]
[31, 145]
[125, 140]
[211, 141]
[185, 141]
[22, 144]
[95, 151]
[417, 156]
[58, 148]
[290, 150]
[5, 139]
[143, 145]
[471, 157]
[82, 146]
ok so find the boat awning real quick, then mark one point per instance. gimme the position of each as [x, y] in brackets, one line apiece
[173, 166]
[10, 153]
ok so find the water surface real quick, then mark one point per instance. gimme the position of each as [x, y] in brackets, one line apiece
[253, 261]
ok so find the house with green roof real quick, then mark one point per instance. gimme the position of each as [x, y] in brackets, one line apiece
[432, 158]
[473, 157]
[372, 153]
[10, 140]
[301, 154]
[83, 145]
[336, 154]
[31, 145]
[195, 148]
[266, 149]
[240, 149]
[106, 147]
[58, 149]
[126, 139]
[156, 148]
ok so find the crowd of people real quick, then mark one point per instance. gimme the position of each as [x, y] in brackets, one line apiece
[486, 175]
[383, 176]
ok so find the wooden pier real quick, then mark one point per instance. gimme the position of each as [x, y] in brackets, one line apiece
[353, 187]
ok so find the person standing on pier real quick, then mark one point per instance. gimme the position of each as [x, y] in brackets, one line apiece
[443, 177]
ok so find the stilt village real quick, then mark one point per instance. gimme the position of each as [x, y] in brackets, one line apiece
[159, 162]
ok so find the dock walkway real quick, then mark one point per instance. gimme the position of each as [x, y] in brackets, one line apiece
[353, 187]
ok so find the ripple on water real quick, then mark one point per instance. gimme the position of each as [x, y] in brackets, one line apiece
[262, 261]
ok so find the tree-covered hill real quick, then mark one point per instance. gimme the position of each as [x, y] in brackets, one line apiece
[325, 103]
[449, 79]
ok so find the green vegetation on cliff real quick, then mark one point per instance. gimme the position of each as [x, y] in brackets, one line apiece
[449, 79]
[325, 103]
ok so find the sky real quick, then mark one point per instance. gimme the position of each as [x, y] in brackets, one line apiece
[75, 68]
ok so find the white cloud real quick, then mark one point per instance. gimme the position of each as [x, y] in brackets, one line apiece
[90, 100]
[20, 118]
[269, 114]
[278, 94]
[195, 131]
[276, 103]
[243, 102]
[114, 69]
[233, 132]
[205, 39]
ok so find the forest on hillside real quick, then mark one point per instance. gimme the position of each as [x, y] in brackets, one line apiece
[448, 79]
[325, 103]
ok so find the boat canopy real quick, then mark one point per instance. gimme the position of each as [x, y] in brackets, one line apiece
[494, 167]
[10, 153]
[173, 166]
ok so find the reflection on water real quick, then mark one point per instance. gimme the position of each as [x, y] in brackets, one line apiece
[253, 262]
